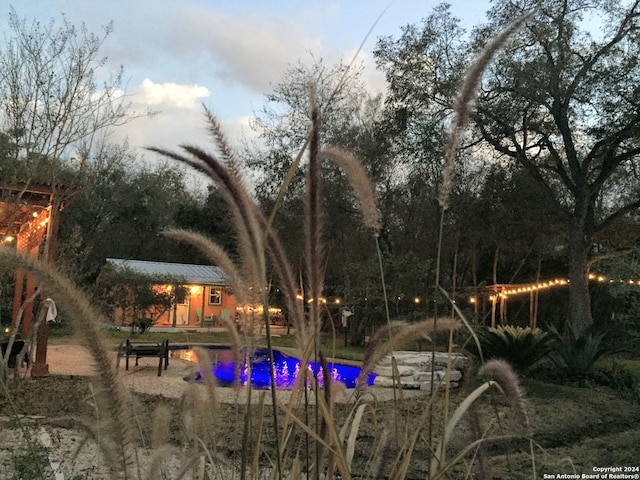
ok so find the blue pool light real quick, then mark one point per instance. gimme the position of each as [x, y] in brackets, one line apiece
[286, 371]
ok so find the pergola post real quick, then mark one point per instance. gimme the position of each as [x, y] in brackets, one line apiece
[40, 366]
[32, 215]
[17, 296]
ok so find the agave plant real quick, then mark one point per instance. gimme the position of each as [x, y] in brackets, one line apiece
[577, 352]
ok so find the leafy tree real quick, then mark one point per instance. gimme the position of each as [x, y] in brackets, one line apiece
[142, 303]
[209, 215]
[509, 218]
[617, 300]
[423, 68]
[347, 119]
[284, 122]
[563, 102]
[560, 101]
[122, 214]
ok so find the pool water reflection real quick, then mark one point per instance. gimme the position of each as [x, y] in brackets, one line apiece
[286, 369]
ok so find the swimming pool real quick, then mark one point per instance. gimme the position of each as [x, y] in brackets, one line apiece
[286, 369]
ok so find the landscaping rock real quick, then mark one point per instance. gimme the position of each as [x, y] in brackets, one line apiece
[405, 382]
[415, 370]
[403, 370]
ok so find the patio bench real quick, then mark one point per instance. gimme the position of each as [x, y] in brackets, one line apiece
[138, 350]
[16, 348]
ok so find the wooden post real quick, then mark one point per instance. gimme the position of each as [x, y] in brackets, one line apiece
[27, 313]
[174, 307]
[31, 284]
[40, 366]
[503, 309]
[493, 307]
[17, 296]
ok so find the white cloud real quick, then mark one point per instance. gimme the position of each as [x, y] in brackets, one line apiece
[173, 126]
[177, 54]
[374, 80]
[172, 94]
[244, 47]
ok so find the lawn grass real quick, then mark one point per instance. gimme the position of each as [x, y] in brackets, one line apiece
[630, 364]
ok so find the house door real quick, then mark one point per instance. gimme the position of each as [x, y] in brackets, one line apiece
[181, 311]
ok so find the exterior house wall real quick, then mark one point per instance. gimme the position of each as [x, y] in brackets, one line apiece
[201, 308]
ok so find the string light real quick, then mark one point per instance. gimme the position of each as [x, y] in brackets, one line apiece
[34, 229]
[511, 290]
[257, 310]
[506, 291]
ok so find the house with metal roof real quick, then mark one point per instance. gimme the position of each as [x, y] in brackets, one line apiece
[207, 298]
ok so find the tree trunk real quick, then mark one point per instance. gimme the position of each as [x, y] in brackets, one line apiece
[579, 296]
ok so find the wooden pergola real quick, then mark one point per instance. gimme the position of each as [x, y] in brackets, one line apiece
[29, 219]
[497, 297]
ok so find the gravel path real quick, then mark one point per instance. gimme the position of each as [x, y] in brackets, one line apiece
[76, 360]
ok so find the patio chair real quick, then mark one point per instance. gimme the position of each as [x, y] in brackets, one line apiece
[208, 321]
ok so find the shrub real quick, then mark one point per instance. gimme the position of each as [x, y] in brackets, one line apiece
[577, 352]
[31, 462]
[520, 347]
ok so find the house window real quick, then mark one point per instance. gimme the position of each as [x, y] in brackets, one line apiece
[215, 296]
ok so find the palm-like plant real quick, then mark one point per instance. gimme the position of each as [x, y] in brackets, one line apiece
[520, 347]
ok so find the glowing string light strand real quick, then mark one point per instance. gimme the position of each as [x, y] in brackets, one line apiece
[505, 291]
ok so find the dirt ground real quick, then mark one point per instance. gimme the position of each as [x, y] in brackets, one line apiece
[574, 429]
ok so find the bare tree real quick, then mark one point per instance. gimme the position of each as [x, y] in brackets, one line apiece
[52, 103]
[57, 103]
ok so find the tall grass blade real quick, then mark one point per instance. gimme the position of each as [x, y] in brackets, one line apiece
[353, 434]
[88, 321]
[437, 460]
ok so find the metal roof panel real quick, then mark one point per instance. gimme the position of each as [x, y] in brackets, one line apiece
[183, 272]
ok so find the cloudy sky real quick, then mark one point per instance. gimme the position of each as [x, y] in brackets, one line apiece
[179, 54]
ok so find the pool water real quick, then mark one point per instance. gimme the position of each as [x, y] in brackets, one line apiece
[286, 370]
